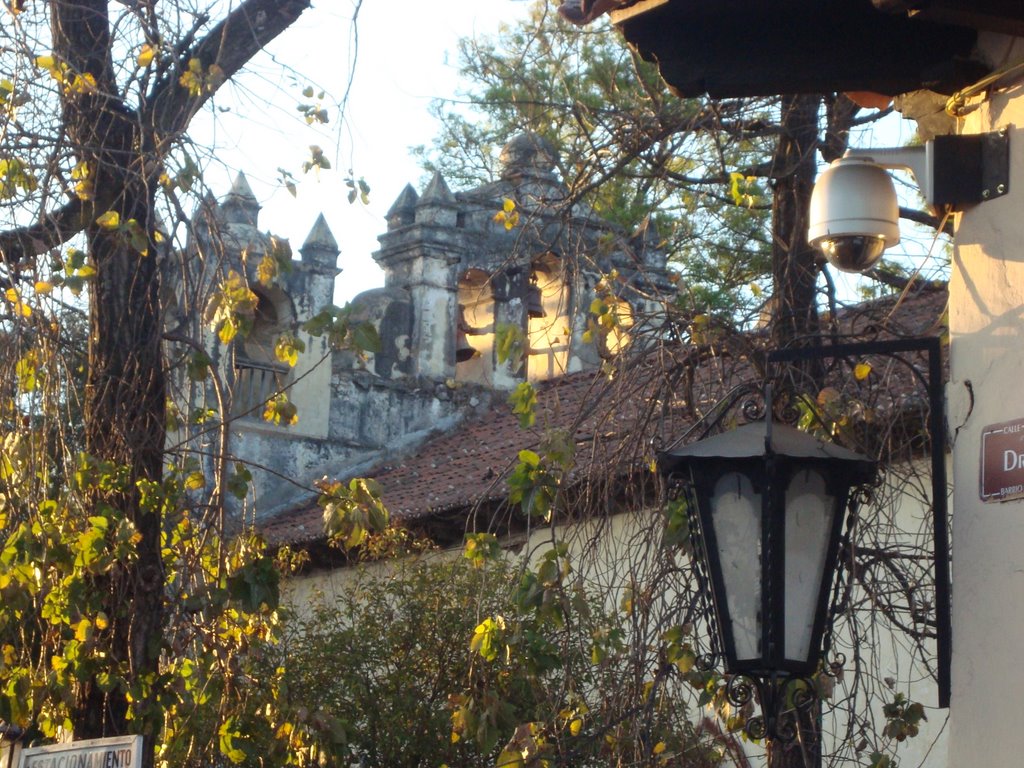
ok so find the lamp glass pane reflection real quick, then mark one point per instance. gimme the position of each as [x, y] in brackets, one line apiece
[737, 530]
[810, 512]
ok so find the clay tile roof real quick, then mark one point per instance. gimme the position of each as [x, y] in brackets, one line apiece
[467, 466]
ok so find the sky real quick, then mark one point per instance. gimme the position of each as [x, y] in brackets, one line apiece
[401, 55]
[405, 56]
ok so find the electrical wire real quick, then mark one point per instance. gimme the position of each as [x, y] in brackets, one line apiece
[956, 105]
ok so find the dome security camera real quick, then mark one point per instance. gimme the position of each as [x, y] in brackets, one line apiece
[854, 214]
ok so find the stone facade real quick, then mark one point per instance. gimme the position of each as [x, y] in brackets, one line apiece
[459, 283]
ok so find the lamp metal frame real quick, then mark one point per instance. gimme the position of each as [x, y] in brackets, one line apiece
[784, 691]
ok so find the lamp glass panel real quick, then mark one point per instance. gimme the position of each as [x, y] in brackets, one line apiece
[736, 513]
[809, 514]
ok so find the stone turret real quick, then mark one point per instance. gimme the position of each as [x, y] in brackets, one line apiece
[437, 205]
[320, 250]
[226, 240]
[240, 206]
[510, 254]
[403, 210]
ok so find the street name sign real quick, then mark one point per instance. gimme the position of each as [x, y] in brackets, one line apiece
[1002, 461]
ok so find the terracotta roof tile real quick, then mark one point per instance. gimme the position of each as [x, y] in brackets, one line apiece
[468, 465]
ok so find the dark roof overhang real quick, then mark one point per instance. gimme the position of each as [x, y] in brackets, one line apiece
[732, 48]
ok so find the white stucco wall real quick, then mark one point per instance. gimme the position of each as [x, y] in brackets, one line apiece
[610, 554]
[986, 321]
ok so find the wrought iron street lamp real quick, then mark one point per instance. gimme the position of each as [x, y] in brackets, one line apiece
[770, 503]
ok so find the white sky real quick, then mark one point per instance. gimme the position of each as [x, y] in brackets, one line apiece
[407, 56]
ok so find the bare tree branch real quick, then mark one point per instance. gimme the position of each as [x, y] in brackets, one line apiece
[230, 45]
[23, 244]
[923, 217]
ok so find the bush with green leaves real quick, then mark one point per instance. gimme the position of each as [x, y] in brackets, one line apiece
[430, 660]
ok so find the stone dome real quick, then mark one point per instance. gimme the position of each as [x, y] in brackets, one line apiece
[528, 153]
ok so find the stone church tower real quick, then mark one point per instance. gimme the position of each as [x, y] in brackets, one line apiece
[483, 289]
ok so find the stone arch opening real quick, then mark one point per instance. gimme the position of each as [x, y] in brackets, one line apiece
[259, 375]
[474, 328]
[548, 331]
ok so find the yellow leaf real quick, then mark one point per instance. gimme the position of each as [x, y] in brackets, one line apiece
[146, 54]
[26, 371]
[43, 287]
[83, 184]
[102, 622]
[83, 631]
[45, 62]
[861, 371]
[266, 270]
[575, 726]
[20, 308]
[659, 747]
[85, 83]
[109, 220]
[228, 330]
[508, 205]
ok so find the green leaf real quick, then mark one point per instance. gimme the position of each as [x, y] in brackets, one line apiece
[317, 160]
[229, 747]
[137, 237]
[198, 366]
[510, 342]
[238, 481]
[366, 338]
[481, 548]
[524, 404]
[256, 585]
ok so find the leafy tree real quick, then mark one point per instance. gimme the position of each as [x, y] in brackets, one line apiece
[117, 592]
[429, 661]
[633, 152]
[724, 183]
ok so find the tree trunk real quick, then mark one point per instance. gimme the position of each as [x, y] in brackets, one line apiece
[125, 388]
[794, 262]
[124, 425]
[805, 750]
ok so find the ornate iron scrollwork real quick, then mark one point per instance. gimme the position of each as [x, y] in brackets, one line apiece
[782, 702]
